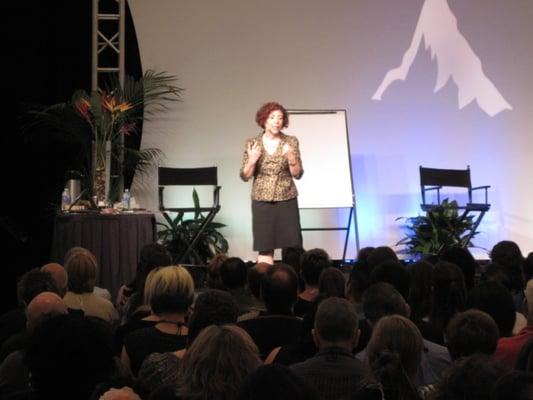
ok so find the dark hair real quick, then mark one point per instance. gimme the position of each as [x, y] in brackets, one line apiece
[382, 299]
[291, 256]
[265, 110]
[394, 273]
[524, 361]
[233, 273]
[421, 290]
[471, 378]
[68, 355]
[213, 307]
[336, 320]
[449, 293]
[472, 331]
[496, 300]
[152, 255]
[331, 283]
[516, 385]
[461, 257]
[279, 289]
[508, 254]
[379, 255]
[214, 281]
[255, 276]
[275, 381]
[34, 282]
[313, 262]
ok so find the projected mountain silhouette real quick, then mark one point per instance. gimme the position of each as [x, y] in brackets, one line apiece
[437, 26]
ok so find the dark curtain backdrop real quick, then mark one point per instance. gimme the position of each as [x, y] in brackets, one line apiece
[46, 57]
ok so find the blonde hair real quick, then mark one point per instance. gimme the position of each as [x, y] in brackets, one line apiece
[81, 267]
[169, 289]
[216, 363]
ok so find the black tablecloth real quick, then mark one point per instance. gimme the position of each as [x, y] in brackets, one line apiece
[116, 241]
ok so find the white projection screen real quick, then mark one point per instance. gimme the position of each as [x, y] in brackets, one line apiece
[323, 137]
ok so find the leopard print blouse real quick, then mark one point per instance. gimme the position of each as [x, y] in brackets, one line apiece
[272, 177]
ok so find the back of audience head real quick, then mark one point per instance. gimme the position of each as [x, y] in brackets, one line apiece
[496, 300]
[275, 381]
[169, 290]
[394, 273]
[279, 289]
[312, 263]
[449, 292]
[81, 268]
[516, 385]
[292, 256]
[59, 274]
[152, 255]
[213, 307]
[507, 254]
[462, 257]
[68, 355]
[471, 378]
[44, 306]
[394, 353]
[331, 283]
[528, 267]
[255, 276]
[471, 331]
[32, 283]
[380, 254]
[421, 290]
[233, 272]
[383, 299]
[524, 361]
[336, 324]
[213, 279]
[217, 362]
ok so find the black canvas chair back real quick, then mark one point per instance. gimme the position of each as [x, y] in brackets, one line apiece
[271, 331]
[189, 177]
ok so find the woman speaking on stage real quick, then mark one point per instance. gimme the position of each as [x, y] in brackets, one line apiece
[273, 160]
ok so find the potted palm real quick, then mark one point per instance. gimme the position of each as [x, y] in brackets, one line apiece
[439, 229]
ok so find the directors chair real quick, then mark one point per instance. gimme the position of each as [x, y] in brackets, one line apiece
[434, 180]
[187, 178]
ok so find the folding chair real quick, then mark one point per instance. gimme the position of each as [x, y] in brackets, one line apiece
[435, 179]
[206, 176]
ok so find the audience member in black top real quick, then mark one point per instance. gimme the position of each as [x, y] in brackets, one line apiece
[471, 331]
[172, 295]
[313, 262]
[334, 371]
[279, 289]
[275, 381]
[392, 272]
[461, 257]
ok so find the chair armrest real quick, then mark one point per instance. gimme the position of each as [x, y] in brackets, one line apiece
[425, 189]
[216, 197]
[481, 187]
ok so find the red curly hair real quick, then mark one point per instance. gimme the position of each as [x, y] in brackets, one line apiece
[265, 110]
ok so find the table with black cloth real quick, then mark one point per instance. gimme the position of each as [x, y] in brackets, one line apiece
[115, 239]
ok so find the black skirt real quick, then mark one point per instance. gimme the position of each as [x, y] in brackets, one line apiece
[276, 224]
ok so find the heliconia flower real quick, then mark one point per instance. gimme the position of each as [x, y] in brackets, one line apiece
[83, 107]
[109, 102]
[127, 129]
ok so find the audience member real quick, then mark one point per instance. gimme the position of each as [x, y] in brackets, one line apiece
[59, 274]
[312, 262]
[331, 283]
[233, 273]
[214, 281]
[81, 268]
[130, 297]
[334, 371]
[379, 255]
[392, 272]
[516, 385]
[471, 378]
[213, 307]
[470, 332]
[215, 365]
[171, 296]
[462, 257]
[292, 256]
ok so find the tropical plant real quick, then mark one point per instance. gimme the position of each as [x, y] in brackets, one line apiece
[178, 232]
[441, 228]
[108, 116]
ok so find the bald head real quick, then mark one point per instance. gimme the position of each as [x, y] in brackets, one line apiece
[44, 306]
[59, 274]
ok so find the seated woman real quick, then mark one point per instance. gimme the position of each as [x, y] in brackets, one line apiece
[81, 268]
[172, 295]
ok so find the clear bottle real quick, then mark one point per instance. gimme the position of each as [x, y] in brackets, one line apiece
[65, 200]
[126, 197]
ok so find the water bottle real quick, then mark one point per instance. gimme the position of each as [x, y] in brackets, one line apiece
[65, 200]
[126, 196]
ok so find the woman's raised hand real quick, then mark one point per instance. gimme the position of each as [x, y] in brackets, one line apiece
[254, 151]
